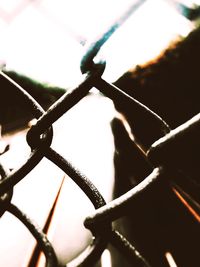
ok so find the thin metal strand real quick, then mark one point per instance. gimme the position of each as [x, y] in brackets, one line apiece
[113, 209]
[11, 85]
[93, 252]
[65, 103]
[116, 94]
[81, 180]
[41, 238]
[128, 250]
[36, 155]
[94, 47]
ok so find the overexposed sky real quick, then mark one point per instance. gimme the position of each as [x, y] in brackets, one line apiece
[42, 39]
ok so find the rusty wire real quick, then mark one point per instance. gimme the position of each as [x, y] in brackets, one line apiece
[40, 137]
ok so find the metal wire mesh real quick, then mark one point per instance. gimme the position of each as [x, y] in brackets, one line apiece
[40, 136]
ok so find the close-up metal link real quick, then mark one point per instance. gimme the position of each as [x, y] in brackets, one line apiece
[170, 171]
[37, 154]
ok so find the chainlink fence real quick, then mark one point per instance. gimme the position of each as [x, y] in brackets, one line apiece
[164, 156]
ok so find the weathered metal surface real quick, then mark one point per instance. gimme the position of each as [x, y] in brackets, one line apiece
[165, 156]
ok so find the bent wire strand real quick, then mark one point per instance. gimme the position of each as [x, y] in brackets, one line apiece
[36, 154]
[115, 93]
[94, 251]
[114, 209]
[175, 143]
[42, 241]
[110, 90]
[127, 249]
[6, 197]
[66, 102]
[44, 244]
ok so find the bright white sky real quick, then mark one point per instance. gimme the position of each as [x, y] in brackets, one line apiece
[42, 40]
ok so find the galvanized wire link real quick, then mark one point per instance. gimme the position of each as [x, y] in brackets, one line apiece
[66, 102]
[40, 148]
[40, 136]
[37, 154]
[102, 233]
